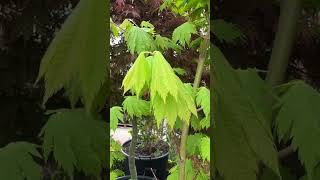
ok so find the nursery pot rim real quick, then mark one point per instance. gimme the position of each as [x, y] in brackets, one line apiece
[143, 157]
[129, 176]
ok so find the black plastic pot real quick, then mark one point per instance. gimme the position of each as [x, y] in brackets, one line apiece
[147, 165]
[139, 178]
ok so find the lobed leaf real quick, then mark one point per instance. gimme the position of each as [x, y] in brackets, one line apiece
[241, 138]
[17, 163]
[182, 34]
[115, 116]
[63, 135]
[298, 113]
[78, 54]
[138, 76]
[136, 107]
[138, 40]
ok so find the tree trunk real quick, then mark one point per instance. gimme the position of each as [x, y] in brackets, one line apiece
[284, 40]
[133, 144]
[185, 126]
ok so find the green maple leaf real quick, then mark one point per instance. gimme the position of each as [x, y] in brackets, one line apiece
[315, 175]
[195, 123]
[78, 53]
[126, 25]
[17, 163]
[169, 96]
[162, 42]
[146, 24]
[180, 71]
[114, 28]
[136, 107]
[115, 152]
[138, 76]
[241, 137]
[164, 80]
[116, 173]
[193, 144]
[225, 31]
[182, 33]
[115, 116]
[205, 148]
[202, 175]
[138, 40]
[301, 102]
[259, 93]
[63, 135]
[113, 175]
[189, 171]
[203, 101]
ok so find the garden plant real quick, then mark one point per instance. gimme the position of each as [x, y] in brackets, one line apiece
[260, 120]
[74, 140]
[155, 90]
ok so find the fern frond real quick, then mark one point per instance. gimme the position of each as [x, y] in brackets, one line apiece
[73, 149]
[17, 163]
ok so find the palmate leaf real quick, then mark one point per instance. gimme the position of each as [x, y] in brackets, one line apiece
[169, 96]
[193, 144]
[164, 80]
[138, 76]
[116, 115]
[115, 152]
[77, 140]
[205, 148]
[189, 171]
[199, 144]
[180, 71]
[241, 138]
[163, 42]
[315, 175]
[182, 34]
[298, 117]
[203, 101]
[136, 107]
[17, 163]
[138, 40]
[116, 173]
[146, 24]
[114, 28]
[259, 93]
[225, 31]
[78, 53]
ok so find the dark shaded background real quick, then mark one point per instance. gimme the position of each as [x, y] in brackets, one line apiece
[26, 29]
[258, 20]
